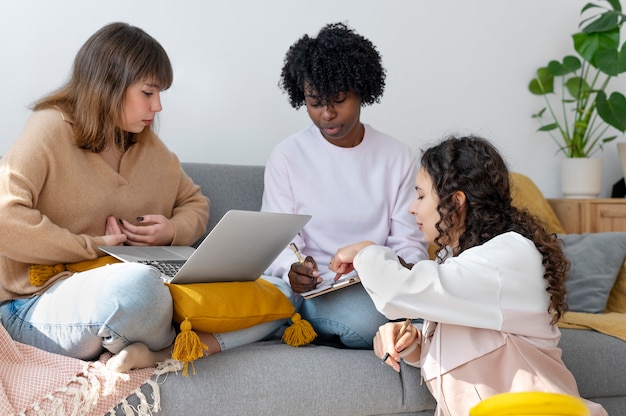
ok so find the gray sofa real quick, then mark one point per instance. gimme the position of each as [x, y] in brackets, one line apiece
[271, 378]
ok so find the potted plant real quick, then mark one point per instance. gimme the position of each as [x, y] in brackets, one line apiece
[580, 114]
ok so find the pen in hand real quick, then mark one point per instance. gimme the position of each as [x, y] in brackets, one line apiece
[297, 252]
[405, 326]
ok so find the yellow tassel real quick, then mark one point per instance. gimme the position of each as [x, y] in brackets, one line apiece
[299, 333]
[188, 347]
[38, 274]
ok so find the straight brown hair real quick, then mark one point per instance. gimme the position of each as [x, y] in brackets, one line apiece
[115, 57]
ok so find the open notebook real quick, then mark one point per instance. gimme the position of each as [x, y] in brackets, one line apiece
[330, 285]
[240, 247]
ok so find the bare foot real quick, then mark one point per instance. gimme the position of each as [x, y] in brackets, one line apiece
[137, 355]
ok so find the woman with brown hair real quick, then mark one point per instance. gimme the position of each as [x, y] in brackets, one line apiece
[491, 299]
[88, 170]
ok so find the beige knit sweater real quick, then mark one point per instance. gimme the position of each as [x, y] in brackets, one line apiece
[55, 198]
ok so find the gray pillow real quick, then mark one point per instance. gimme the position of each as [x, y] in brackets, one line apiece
[596, 260]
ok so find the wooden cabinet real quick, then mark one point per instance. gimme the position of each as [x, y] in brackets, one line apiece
[592, 215]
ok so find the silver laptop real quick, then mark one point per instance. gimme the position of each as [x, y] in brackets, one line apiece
[240, 247]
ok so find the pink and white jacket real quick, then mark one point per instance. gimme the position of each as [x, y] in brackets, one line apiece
[487, 328]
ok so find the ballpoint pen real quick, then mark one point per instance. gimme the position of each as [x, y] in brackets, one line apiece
[402, 331]
[297, 252]
[405, 326]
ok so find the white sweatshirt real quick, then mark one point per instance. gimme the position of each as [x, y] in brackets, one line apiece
[487, 328]
[353, 194]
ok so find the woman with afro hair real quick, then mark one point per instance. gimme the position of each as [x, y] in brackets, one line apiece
[355, 181]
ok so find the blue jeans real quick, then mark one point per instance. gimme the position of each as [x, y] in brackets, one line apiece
[347, 316]
[108, 308]
[266, 330]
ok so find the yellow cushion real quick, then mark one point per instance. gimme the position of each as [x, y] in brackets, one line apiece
[525, 194]
[617, 298]
[229, 306]
[530, 403]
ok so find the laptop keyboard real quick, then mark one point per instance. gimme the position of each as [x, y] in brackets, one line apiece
[168, 267]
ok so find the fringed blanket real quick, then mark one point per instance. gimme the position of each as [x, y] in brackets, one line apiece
[35, 382]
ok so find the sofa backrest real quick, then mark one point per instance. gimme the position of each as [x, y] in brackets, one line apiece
[241, 187]
[228, 187]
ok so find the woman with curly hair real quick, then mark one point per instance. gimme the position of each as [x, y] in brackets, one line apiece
[355, 181]
[491, 299]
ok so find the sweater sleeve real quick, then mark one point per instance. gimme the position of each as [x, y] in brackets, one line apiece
[28, 235]
[457, 292]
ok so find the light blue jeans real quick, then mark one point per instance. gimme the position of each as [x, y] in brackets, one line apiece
[109, 308]
[347, 316]
[264, 331]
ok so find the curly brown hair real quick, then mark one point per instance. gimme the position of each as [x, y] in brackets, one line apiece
[474, 166]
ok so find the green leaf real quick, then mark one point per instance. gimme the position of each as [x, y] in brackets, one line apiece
[539, 114]
[603, 23]
[548, 127]
[615, 4]
[570, 64]
[588, 45]
[612, 62]
[589, 6]
[612, 110]
[609, 139]
[577, 87]
[543, 84]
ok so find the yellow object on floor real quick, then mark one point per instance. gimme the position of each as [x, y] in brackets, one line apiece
[530, 403]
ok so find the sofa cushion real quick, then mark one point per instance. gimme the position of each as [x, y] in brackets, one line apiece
[596, 259]
[270, 378]
[597, 362]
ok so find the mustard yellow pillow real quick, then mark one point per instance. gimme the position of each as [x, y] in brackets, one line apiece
[525, 194]
[617, 298]
[229, 306]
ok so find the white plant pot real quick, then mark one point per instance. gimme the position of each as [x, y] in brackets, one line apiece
[581, 177]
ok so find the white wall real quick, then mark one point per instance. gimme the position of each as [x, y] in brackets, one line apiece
[454, 66]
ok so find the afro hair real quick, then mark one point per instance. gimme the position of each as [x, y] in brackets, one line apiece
[337, 61]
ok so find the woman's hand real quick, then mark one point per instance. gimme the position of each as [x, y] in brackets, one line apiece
[113, 235]
[385, 343]
[304, 276]
[153, 230]
[341, 262]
